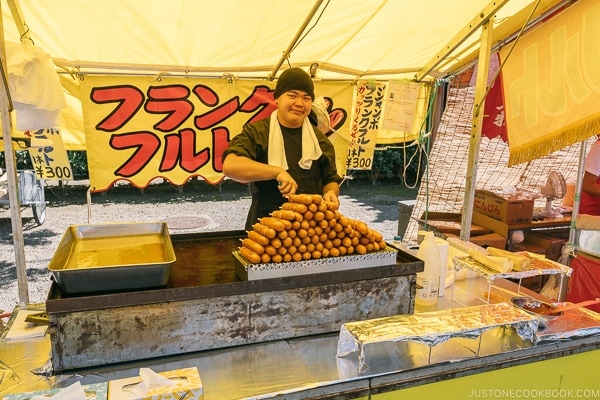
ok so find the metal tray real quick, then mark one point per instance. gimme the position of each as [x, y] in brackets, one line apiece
[249, 272]
[113, 257]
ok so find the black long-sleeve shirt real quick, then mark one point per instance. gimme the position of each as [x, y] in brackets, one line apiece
[253, 142]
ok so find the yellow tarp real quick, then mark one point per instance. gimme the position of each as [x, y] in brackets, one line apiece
[552, 84]
[349, 40]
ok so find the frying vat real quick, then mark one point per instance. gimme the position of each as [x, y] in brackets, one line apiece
[113, 257]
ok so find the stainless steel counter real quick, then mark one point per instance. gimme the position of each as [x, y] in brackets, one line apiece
[206, 305]
[296, 368]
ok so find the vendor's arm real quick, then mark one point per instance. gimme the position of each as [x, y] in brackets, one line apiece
[244, 169]
[589, 184]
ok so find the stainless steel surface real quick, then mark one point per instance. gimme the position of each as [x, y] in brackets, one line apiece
[205, 306]
[248, 271]
[412, 341]
[113, 257]
[307, 367]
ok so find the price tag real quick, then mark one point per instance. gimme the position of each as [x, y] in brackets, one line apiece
[49, 156]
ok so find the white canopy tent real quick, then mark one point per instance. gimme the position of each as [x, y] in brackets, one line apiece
[342, 39]
[347, 38]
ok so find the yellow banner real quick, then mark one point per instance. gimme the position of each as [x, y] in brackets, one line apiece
[552, 83]
[366, 120]
[139, 128]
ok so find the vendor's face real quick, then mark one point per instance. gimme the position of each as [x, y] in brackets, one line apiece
[292, 107]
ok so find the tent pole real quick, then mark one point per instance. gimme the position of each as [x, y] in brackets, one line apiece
[580, 171]
[11, 171]
[481, 19]
[287, 51]
[480, 92]
[15, 11]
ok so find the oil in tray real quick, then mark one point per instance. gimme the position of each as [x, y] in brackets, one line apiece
[117, 251]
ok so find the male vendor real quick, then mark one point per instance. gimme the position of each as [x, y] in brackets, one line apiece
[284, 154]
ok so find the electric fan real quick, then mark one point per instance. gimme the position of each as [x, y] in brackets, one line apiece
[555, 188]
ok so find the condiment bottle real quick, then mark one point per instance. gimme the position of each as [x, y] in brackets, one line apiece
[443, 247]
[429, 279]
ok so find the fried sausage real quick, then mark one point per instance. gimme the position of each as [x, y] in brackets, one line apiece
[252, 245]
[284, 214]
[300, 198]
[249, 255]
[273, 223]
[258, 238]
[299, 208]
[264, 230]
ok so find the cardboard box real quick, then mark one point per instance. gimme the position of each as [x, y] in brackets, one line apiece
[530, 247]
[490, 240]
[511, 208]
[96, 391]
[186, 385]
[444, 224]
[496, 226]
[553, 246]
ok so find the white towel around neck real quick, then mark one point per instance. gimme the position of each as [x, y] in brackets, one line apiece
[310, 145]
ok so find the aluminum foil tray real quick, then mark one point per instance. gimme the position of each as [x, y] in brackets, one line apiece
[248, 271]
[113, 257]
[412, 341]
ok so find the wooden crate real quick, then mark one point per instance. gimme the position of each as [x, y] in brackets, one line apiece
[446, 224]
[206, 307]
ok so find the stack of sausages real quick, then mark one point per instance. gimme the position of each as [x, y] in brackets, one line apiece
[307, 227]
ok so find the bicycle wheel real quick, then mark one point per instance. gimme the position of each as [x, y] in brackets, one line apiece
[39, 205]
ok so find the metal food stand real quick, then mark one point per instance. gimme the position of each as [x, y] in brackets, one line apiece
[206, 305]
[31, 193]
[307, 367]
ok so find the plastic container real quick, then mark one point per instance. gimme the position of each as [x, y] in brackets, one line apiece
[429, 279]
[443, 247]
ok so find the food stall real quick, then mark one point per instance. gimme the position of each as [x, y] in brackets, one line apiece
[285, 336]
[309, 366]
[254, 337]
[206, 305]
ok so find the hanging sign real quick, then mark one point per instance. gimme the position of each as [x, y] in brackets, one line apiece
[551, 83]
[401, 105]
[366, 120]
[48, 155]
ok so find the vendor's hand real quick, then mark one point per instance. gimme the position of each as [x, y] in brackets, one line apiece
[287, 185]
[332, 197]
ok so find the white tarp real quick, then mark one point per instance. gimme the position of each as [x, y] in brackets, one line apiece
[348, 38]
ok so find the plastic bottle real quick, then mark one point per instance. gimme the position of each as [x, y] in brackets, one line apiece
[429, 279]
[443, 250]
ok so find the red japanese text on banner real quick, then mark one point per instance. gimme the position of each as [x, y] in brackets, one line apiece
[138, 129]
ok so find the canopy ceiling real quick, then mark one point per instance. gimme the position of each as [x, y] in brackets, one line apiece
[349, 39]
